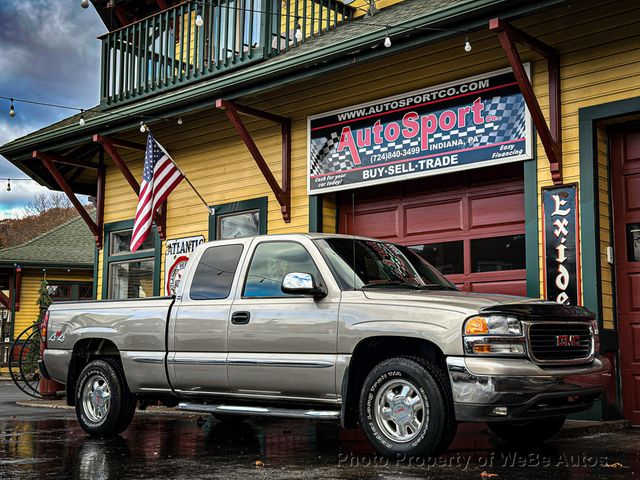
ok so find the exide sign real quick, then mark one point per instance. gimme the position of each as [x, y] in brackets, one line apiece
[466, 124]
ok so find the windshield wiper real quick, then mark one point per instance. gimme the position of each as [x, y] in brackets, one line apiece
[436, 286]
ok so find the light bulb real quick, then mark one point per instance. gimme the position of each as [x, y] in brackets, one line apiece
[180, 122]
[199, 20]
[298, 34]
[81, 122]
[84, 3]
[467, 44]
[8, 184]
[387, 41]
[143, 127]
[12, 110]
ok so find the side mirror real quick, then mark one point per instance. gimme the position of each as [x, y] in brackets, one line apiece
[298, 283]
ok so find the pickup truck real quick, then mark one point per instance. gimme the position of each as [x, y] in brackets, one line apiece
[329, 327]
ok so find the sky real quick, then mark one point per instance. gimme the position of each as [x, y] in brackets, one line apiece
[48, 52]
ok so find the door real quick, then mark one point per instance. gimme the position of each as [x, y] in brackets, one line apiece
[198, 335]
[283, 345]
[468, 225]
[625, 182]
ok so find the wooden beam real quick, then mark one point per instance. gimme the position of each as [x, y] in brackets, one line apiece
[282, 193]
[109, 146]
[111, 149]
[17, 287]
[69, 161]
[118, 142]
[64, 186]
[551, 137]
[5, 301]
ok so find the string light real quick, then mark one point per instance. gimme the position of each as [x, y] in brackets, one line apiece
[387, 39]
[81, 122]
[12, 110]
[8, 184]
[143, 127]
[467, 44]
[298, 33]
[199, 20]
[9, 180]
[179, 122]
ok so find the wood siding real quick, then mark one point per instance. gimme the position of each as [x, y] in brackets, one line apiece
[599, 50]
[29, 292]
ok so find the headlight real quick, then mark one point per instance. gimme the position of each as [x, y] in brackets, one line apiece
[493, 335]
[492, 325]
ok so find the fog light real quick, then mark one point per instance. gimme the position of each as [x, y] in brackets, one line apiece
[500, 411]
[498, 348]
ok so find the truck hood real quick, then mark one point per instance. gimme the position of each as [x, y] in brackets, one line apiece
[480, 302]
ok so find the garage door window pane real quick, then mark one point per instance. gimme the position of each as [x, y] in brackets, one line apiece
[131, 279]
[214, 275]
[498, 254]
[447, 257]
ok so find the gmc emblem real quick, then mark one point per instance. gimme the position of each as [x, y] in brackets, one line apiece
[568, 340]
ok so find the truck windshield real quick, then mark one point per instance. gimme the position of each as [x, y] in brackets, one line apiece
[379, 265]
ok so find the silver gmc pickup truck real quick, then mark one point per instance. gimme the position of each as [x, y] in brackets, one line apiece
[329, 327]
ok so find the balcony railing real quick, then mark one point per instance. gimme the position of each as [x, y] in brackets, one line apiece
[197, 40]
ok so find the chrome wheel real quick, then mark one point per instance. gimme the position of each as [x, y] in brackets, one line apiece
[401, 411]
[96, 398]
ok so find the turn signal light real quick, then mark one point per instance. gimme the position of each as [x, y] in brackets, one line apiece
[476, 326]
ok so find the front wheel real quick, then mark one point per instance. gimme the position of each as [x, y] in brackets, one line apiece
[104, 404]
[406, 408]
[527, 432]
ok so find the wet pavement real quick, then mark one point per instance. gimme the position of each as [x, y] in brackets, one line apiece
[45, 443]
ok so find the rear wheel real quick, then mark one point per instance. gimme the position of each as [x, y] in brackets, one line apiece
[405, 408]
[104, 404]
[527, 432]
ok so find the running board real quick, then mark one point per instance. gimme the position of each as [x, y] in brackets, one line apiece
[261, 411]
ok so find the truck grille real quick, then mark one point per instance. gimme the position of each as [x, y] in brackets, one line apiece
[558, 342]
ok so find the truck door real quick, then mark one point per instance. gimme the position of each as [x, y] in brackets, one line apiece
[198, 336]
[283, 345]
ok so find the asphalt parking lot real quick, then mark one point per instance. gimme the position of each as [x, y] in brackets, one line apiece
[48, 443]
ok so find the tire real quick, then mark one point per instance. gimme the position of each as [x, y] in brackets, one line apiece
[406, 408]
[527, 433]
[97, 415]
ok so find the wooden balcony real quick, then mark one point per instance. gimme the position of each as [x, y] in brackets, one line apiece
[199, 40]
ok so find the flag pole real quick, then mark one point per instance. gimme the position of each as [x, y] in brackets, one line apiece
[210, 209]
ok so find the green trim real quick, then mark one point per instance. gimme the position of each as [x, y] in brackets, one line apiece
[315, 214]
[108, 258]
[49, 266]
[261, 204]
[96, 259]
[589, 206]
[470, 15]
[75, 287]
[532, 252]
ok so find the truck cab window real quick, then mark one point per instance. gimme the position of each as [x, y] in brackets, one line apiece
[271, 262]
[214, 275]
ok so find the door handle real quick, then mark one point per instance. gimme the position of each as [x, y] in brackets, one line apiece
[240, 318]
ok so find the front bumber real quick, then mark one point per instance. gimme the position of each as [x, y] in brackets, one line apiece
[526, 390]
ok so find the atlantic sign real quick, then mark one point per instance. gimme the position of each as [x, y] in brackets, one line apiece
[470, 123]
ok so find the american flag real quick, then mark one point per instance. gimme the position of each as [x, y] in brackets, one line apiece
[160, 176]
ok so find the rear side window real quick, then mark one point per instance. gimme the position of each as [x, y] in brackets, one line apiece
[214, 274]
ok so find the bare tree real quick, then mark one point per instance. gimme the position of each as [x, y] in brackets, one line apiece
[42, 202]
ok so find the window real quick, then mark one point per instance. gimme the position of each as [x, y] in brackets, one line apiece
[239, 219]
[498, 254]
[215, 272]
[67, 291]
[447, 257]
[271, 262]
[237, 225]
[127, 274]
[633, 242]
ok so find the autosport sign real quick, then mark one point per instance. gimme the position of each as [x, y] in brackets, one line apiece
[475, 122]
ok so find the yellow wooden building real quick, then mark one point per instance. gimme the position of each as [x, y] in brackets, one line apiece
[63, 256]
[497, 138]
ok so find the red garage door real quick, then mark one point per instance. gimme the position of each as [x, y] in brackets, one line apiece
[625, 180]
[469, 225]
